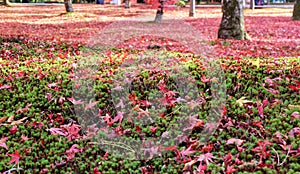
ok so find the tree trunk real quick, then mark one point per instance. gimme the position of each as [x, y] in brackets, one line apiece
[158, 17]
[69, 6]
[192, 8]
[127, 3]
[232, 24]
[296, 12]
[160, 12]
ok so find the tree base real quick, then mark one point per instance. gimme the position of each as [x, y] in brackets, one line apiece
[158, 17]
[296, 12]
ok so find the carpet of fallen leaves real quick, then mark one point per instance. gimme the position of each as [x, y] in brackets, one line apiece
[272, 31]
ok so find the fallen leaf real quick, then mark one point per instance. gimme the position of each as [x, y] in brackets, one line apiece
[242, 101]
[10, 119]
[188, 165]
[18, 121]
[238, 142]
[295, 115]
[15, 158]
[2, 142]
[255, 62]
[5, 87]
[3, 119]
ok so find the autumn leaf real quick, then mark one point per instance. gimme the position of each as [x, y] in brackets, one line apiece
[55, 131]
[238, 142]
[204, 79]
[255, 62]
[5, 86]
[187, 151]
[2, 142]
[295, 115]
[118, 117]
[72, 151]
[13, 129]
[188, 165]
[15, 158]
[3, 119]
[294, 131]
[90, 105]
[230, 169]
[24, 138]
[75, 102]
[11, 119]
[207, 157]
[18, 121]
[242, 101]
[260, 110]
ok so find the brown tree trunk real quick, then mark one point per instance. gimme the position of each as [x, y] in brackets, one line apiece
[296, 12]
[69, 6]
[232, 24]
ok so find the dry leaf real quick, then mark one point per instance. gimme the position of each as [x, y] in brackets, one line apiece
[3, 119]
[242, 101]
[188, 165]
[11, 119]
[255, 63]
[239, 142]
[18, 121]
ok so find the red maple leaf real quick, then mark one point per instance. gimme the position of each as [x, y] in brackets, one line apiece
[162, 87]
[204, 79]
[96, 171]
[230, 169]
[260, 110]
[187, 151]
[224, 110]
[15, 158]
[295, 88]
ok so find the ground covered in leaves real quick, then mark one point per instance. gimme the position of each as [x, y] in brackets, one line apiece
[40, 132]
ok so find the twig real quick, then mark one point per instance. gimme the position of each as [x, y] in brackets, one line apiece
[278, 159]
[12, 169]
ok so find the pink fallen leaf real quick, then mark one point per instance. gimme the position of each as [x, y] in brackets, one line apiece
[72, 151]
[207, 157]
[294, 131]
[90, 105]
[2, 142]
[5, 86]
[55, 131]
[260, 110]
[24, 138]
[238, 142]
[118, 117]
[230, 169]
[295, 115]
[75, 102]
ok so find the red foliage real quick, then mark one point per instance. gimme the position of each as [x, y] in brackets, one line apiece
[15, 158]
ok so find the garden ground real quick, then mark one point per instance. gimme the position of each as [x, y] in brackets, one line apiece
[40, 131]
